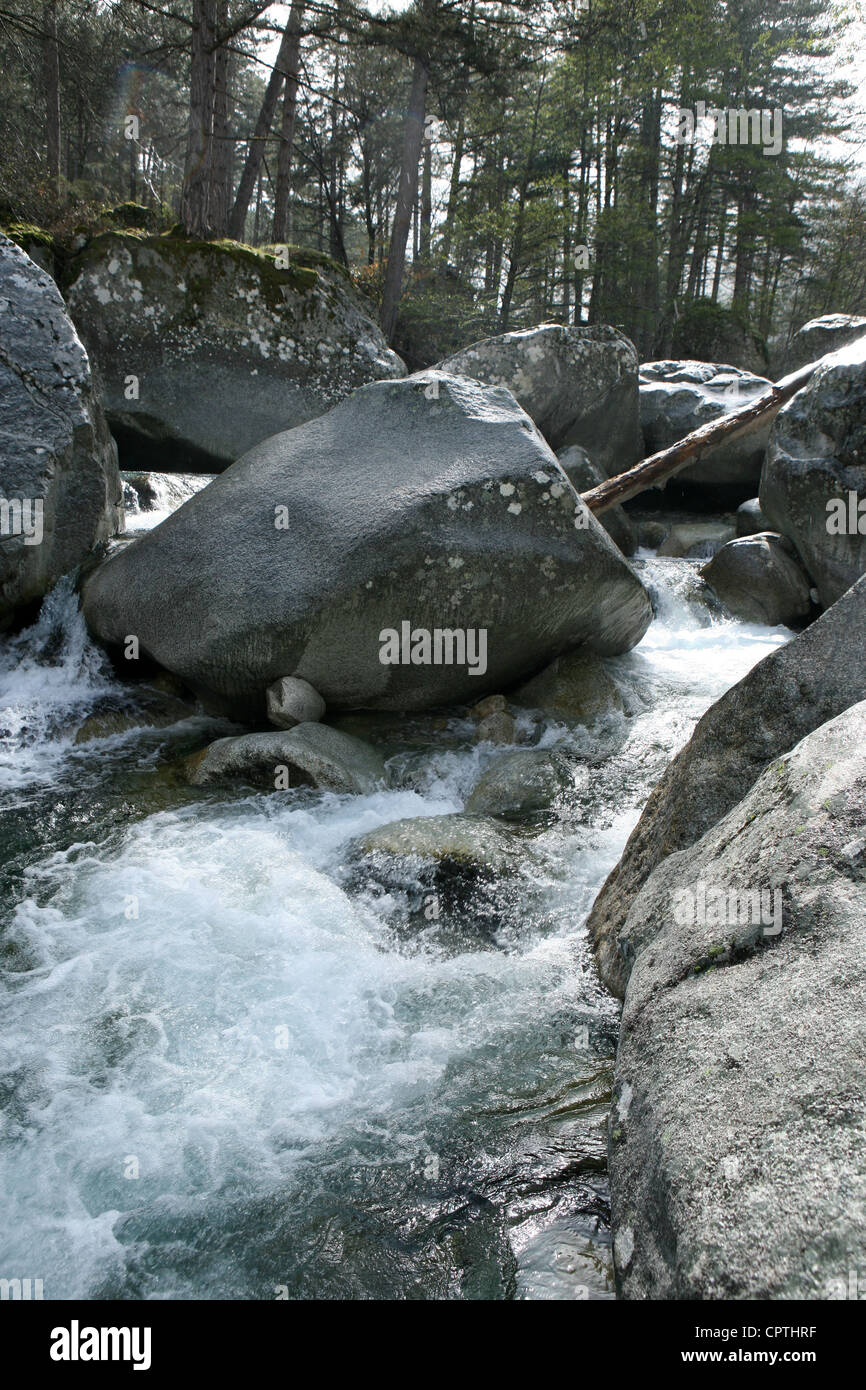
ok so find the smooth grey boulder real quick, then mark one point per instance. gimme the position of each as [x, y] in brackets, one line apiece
[737, 1163]
[579, 385]
[583, 474]
[523, 782]
[227, 347]
[750, 520]
[59, 483]
[814, 477]
[313, 755]
[576, 687]
[678, 397]
[822, 335]
[432, 502]
[291, 701]
[760, 579]
[784, 697]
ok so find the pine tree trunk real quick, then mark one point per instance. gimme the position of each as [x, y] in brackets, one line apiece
[413, 134]
[220, 193]
[198, 169]
[51, 78]
[287, 128]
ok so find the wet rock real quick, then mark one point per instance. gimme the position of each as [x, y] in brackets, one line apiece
[307, 755]
[783, 698]
[229, 347]
[736, 1154]
[750, 520]
[497, 727]
[59, 482]
[575, 687]
[302, 554]
[813, 486]
[579, 385]
[491, 704]
[760, 580]
[524, 782]
[292, 701]
[696, 540]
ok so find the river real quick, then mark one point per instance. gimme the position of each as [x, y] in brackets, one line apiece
[228, 1071]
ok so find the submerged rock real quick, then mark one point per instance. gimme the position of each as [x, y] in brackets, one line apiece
[760, 580]
[678, 397]
[431, 503]
[579, 385]
[575, 687]
[523, 782]
[496, 727]
[736, 1157]
[813, 487]
[309, 755]
[784, 697]
[226, 346]
[59, 483]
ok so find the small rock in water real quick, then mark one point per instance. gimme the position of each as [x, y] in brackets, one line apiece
[308, 755]
[491, 704]
[498, 727]
[522, 782]
[294, 701]
[575, 686]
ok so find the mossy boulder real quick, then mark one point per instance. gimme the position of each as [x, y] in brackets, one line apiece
[205, 348]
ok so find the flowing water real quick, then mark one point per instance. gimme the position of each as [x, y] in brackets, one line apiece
[229, 1071]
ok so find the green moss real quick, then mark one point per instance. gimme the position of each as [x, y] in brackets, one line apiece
[23, 232]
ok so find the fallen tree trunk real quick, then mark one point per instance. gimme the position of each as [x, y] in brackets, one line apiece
[658, 468]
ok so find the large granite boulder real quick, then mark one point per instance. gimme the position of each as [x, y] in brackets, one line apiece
[737, 1163]
[579, 385]
[309, 755]
[784, 697]
[678, 397]
[424, 506]
[760, 580]
[813, 485]
[820, 336]
[227, 347]
[59, 486]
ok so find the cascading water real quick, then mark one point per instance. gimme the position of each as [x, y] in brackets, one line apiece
[228, 1072]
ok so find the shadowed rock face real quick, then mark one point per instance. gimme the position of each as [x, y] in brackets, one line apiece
[228, 348]
[783, 698]
[56, 449]
[678, 397]
[816, 459]
[432, 501]
[578, 384]
[736, 1135]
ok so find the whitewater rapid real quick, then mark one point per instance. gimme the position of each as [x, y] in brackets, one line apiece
[228, 1073]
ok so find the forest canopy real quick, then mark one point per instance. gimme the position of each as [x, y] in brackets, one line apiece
[687, 170]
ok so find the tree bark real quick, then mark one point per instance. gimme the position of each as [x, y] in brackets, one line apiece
[413, 135]
[220, 191]
[51, 77]
[658, 468]
[195, 194]
[287, 126]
